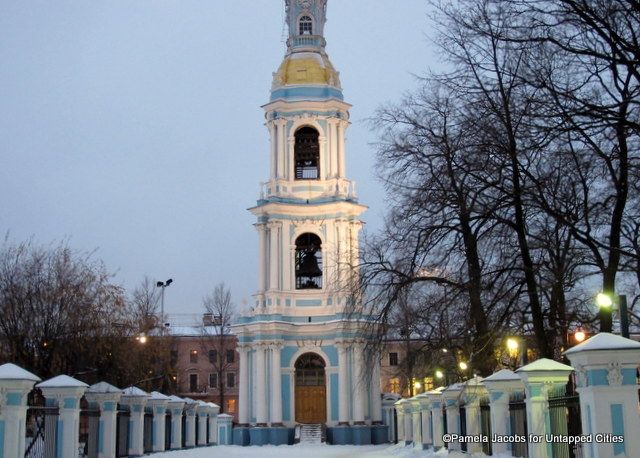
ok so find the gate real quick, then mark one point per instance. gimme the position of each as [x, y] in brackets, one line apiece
[40, 440]
[167, 431]
[122, 433]
[564, 413]
[485, 424]
[518, 420]
[88, 434]
[148, 432]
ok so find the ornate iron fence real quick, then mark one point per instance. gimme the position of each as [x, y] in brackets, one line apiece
[518, 420]
[485, 424]
[122, 433]
[564, 414]
[40, 437]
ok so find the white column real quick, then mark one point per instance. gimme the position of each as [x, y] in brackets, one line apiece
[473, 391]
[136, 400]
[243, 389]
[333, 146]
[274, 271]
[324, 160]
[158, 404]
[276, 385]
[203, 414]
[359, 385]
[500, 386]
[376, 395]
[343, 384]
[287, 260]
[341, 143]
[435, 397]
[261, 387]
[176, 406]
[273, 132]
[290, 158]
[400, 420]
[425, 427]
[190, 423]
[451, 396]
[280, 149]
[262, 256]
[213, 423]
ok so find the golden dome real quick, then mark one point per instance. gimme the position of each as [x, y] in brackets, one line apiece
[306, 68]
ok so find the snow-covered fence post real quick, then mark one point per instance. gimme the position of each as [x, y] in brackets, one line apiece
[158, 404]
[388, 414]
[213, 423]
[202, 409]
[473, 392]
[136, 400]
[15, 385]
[425, 424]
[224, 429]
[400, 420]
[437, 427]
[105, 398]
[606, 383]
[175, 406]
[501, 386]
[416, 421]
[451, 398]
[540, 377]
[65, 392]
[190, 423]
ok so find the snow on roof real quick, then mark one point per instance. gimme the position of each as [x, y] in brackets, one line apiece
[174, 398]
[544, 364]
[438, 390]
[134, 391]
[474, 381]
[503, 375]
[103, 387]
[189, 400]
[62, 381]
[157, 396]
[605, 341]
[454, 387]
[10, 371]
[212, 404]
[224, 415]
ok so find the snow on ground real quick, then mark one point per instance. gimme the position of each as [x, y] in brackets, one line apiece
[302, 451]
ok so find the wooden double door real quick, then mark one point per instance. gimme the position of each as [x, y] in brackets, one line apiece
[310, 389]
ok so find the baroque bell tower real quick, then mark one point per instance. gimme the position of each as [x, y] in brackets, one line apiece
[302, 349]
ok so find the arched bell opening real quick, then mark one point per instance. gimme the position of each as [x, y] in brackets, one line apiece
[307, 154]
[305, 25]
[308, 262]
[310, 389]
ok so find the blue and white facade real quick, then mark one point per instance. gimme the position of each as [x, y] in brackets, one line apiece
[308, 224]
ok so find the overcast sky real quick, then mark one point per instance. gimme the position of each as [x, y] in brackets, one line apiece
[134, 128]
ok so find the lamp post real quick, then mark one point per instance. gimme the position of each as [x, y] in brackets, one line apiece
[163, 285]
[605, 302]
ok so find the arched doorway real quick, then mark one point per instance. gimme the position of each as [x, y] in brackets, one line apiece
[311, 391]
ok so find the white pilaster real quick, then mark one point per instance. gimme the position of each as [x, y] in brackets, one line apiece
[343, 384]
[341, 143]
[273, 132]
[243, 389]
[376, 395]
[262, 256]
[261, 386]
[276, 384]
[359, 385]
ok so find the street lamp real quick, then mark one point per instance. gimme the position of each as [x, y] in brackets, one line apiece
[463, 366]
[163, 285]
[605, 303]
[579, 336]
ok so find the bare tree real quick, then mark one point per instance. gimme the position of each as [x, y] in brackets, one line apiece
[216, 336]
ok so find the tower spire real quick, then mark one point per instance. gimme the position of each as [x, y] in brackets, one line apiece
[306, 19]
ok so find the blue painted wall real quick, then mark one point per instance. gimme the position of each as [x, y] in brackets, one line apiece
[334, 397]
[286, 398]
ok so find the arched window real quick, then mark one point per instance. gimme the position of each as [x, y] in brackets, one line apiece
[308, 262]
[306, 26]
[307, 154]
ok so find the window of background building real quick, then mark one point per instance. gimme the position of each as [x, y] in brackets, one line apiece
[231, 405]
[193, 356]
[174, 357]
[231, 379]
[393, 359]
[213, 356]
[213, 380]
[193, 383]
[231, 355]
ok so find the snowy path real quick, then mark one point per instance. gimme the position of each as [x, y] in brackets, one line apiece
[300, 451]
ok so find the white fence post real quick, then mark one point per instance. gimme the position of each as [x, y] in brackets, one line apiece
[388, 414]
[437, 427]
[202, 409]
[451, 397]
[425, 423]
[606, 367]
[105, 397]
[158, 404]
[474, 390]
[136, 400]
[213, 423]
[539, 378]
[190, 426]
[65, 393]
[500, 386]
[15, 385]
[416, 421]
[175, 406]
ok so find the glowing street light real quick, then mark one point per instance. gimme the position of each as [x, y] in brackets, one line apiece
[512, 345]
[439, 374]
[579, 336]
[604, 301]
[463, 366]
